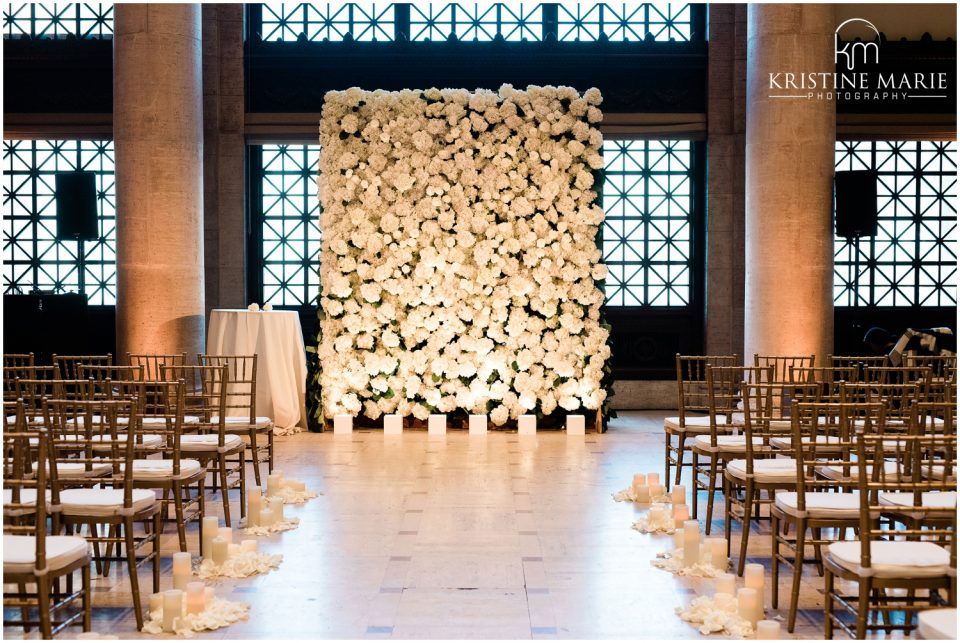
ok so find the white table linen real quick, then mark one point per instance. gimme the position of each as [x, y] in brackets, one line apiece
[277, 340]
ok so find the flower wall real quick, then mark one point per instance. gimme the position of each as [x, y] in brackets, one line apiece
[459, 267]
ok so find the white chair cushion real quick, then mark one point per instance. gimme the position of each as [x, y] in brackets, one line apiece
[209, 442]
[244, 421]
[692, 424]
[835, 471]
[150, 441]
[103, 502]
[938, 624]
[187, 419]
[28, 498]
[787, 442]
[932, 499]
[894, 558]
[736, 443]
[766, 470]
[937, 471]
[821, 504]
[163, 469]
[76, 469]
[20, 552]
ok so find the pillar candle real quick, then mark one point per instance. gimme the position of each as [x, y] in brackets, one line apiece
[748, 603]
[718, 552]
[753, 578]
[639, 480]
[232, 550]
[392, 424]
[342, 423]
[652, 479]
[437, 424]
[680, 515]
[576, 425]
[678, 538]
[266, 517]
[196, 598]
[478, 424]
[768, 630]
[226, 533]
[276, 506]
[678, 495]
[181, 570]
[248, 545]
[691, 543]
[274, 483]
[656, 491]
[656, 513]
[210, 526]
[641, 493]
[254, 497]
[172, 607]
[208, 595]
[156, 603]
[220, 549]
[725, 584]
[527, 424]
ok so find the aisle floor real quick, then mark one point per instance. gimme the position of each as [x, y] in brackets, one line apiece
[491, 537]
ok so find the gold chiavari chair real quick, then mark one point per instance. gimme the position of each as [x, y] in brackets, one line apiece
[219, 452]
[99, 373]
[899, 400]
[18, 360]
[12, 373]
[242, 418]
[721, 444]
[938, 364]
[692, 408]
[79, 430]
[823, 433]
[31, 557]
[68, 364]
[895, 570]
[152, 362]
[782, 364]
[858, 362]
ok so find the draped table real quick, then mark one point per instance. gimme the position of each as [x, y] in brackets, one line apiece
[277, 339]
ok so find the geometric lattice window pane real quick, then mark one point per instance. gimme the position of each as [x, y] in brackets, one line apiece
[513, 21]
[331, 21]
[624, 22]
[32, 256]
[912, 261]
[290, 225]
[49, 20]
[646, 234]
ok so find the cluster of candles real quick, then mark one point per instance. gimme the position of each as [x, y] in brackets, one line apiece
[217, 545]
[437, 424]
[749, 599]
[267, 511]
[713, 551]
[173, 604]
[646, 487]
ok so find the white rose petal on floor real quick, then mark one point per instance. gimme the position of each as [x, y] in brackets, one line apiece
[672, 561]
[219, 613]
[275, 528]
[656, 520]
[630, 495]
[279, 431]
[292, 496]
[716, 614]
[241, 565]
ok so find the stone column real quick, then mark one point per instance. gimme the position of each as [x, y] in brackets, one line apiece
[158, 135]
[788, 283]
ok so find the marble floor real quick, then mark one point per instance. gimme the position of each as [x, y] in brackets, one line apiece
[455, 537]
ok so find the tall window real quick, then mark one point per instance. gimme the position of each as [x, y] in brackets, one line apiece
[57, 20]
[646, 236]
[32, 257]
[912, 261]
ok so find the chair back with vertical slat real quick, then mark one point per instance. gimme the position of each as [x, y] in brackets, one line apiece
[938, 364]
[24, 487]
[858, 362]
[17, 360]
[113, 372]
[12, 373]
[692, 381]
[767, 409]
[725, 396]
[242, 387]
[782, 364]
[898, 398]
[69, 364]
[152, 362]
[825, 381]
[205, 396]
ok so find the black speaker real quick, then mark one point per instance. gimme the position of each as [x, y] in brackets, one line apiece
[856, 203]
[77, 206]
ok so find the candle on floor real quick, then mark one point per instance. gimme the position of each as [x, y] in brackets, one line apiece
[656, 491]
[768, 630]
[527, 425]
[220, 549]
[725, 584]
[196, 598]
[210, 525]
[652, 479]
[226, 533]
[748, 602]
[718, 552]
[576, 425]
[392, 424]
[342, 423]
[680, 515]
[691, 543]
[248, 545]
[181, 569]
[266, 517]
[172, 607]
[156, 603]
[254, 500]
[276, 506]
[478, 424]
[656, 513]
[753, 578]
[274, 483]
[641, 493]
[678, 538]
[232, 550]
[639, 480]
[437, 424]
[678, 495]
